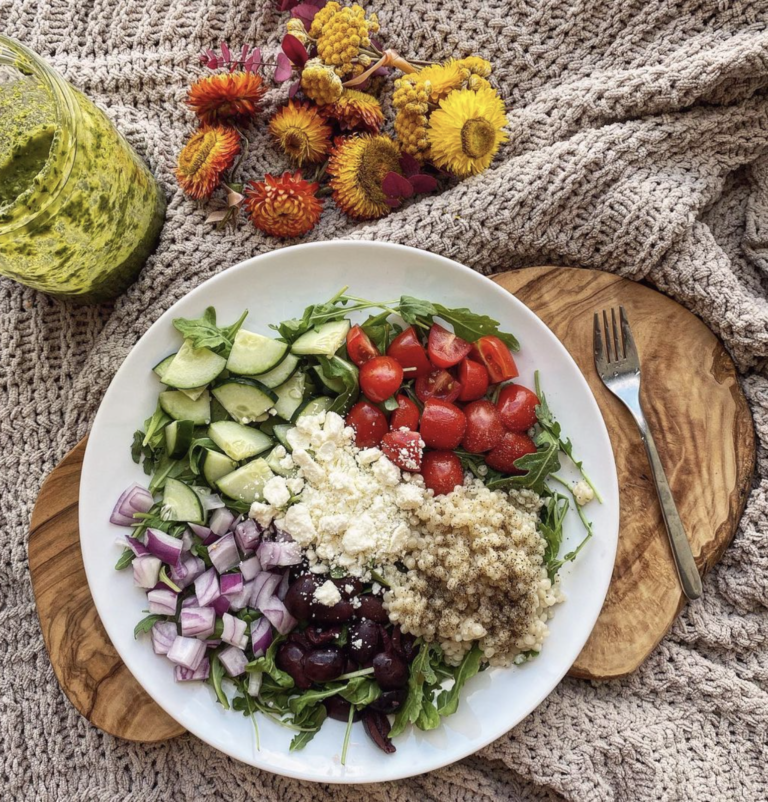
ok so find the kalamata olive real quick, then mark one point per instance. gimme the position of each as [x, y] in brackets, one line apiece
[348, 586]
[404, 644]
[390, 670]
[317, 636]
[351, 666]
[290, 658]
[372, 609]
[297, 636]
[390, 701]
[338, 709]
[299, 598]
[324, 664]
[338, 614]
[377, 726]
[363, 640]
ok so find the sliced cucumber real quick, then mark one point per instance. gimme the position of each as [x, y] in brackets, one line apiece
[216, 465]
[246, 483]
[163, 365]
[181, 503]
[269, 424]
[313, 406]
[238, 442]
[325, 340]
[273, 461]
[218, 412]
[178, 437]
[327, 383]
[244, 399]
[194, 393]
[254, 353]
[193, 367]
[179, 407]
[290, 395]
[280, 431]
[280, 374]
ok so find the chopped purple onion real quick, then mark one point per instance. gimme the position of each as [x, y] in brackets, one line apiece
[135, 499]
[220, 605]
[221, 520]
[146, 570]
[261, 636]
[277, 614]
[212, 643]
[250, 567]
[241, 600]
[281, 536]
[234, 523]
[164, 546]
[187, 652]
[254, 683]
[282, 588]
[187, 570]
[248, 534]
[202, 532]
[231, 584]
[136, 546]
[186, 542]
[190, 601]
[224, 554]
[282, 553]
[207, 587]
[163, 635]
[234, 631]
[162, 602]
[210, 501]
[233, 660]
[264, 587]
[181, 674]
[198, 621]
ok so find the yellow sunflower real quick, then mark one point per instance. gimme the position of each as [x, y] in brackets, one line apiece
[357, 167]
[443, 78]
[301, 132]
[466, 131]
[229, 98]
[356, 111]
[209, 152]
[284, 206]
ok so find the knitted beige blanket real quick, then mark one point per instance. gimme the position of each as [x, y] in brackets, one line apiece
[638, 145]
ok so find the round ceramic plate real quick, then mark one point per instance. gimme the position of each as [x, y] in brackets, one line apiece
[274, 287]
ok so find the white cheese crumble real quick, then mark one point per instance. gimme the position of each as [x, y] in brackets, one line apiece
[262, 513]
[583, 493]
[276, 492]
[327, 594]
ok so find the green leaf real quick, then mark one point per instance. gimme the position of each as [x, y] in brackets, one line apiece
[316, 720]
[339, 368]
[414, 311]
[390, 405]
[146, 624]
[166, 580]
[204, 333]
[313, 697]
[428, 717]
[216, 677]
[153, 428]
[126, 558]
[137, 446]
[448, 701]
[422, 672]
[266, 664]
[381, 331]
[537, 466]
[361, 691]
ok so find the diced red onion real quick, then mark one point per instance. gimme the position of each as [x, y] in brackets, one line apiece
[264, 587]
[146, 570]
[233, 660]
[241, 600]
[212, 538]
[164, 546]
[250, 567]
[186, 542]
[234, 631]
[197, 621]
[190, 601]
[261, 636]
[210, 501]
[220, 521]
[282, 588]
[248, 534]
[281, 536]
[162, 602]
[163, 635]
[220, 605]
[254, 683]
[231, 584]
[136, 546]
[234, 523]
[224, 554]
[181, 674]
[212, 643]
[277, 614]
[187, 570]
[135, 499]
[272, 554]
[187, 652]
[207, 587]
[201, 531]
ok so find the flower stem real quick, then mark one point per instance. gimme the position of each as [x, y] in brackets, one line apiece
[347, 734]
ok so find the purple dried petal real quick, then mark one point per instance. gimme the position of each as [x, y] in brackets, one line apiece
[295, 50]
[256, 58]
[423, 183]
[244, 53]
[409, 165]
[319, 3]
[295, 86]
[287, 5]
[396, 186]
[225, 51]
[284, 68]
[393, 202]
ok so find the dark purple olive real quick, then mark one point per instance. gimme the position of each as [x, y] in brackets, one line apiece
[377, 726]
[351, 666]
[324, 664]
[372, 609]
[317, 636]
[349, 586]
[338, 709]
[299, 598]
[390, 671]
[338, 614]
[390, 701]
[290, 658]
[363, 640]
[299, 637]
[404, 644]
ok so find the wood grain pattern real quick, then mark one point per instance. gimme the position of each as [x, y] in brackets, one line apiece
[85, 662]
[703, 431]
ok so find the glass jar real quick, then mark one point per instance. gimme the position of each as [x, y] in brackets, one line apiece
[79, 210]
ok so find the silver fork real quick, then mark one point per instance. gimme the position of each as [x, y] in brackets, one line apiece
[618, 365]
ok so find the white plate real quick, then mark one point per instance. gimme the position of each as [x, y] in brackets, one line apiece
[274, 287]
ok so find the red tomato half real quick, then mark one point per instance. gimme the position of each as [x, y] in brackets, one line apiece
[406, 416]
[517, 407]
[359, 346]
[380, 378]
[496, 357]
[442, 471]
[409, 352]
[484, 427]
[474, 380]
[442, 424]
[369, 423]
[438, 384]
[405, 449]
[445, 348]
[512, 447]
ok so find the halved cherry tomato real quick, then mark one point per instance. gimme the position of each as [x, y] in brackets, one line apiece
[517, 407]
[512, 446]
[474, 380]
[438, 384]
[405, 449]
[380, 378]
[369, 423]
[359, 346]
[445, 348]
[409, 352]
[442, 424]
[406, 416]
[496, 357]
[442, 471]
[484, 427]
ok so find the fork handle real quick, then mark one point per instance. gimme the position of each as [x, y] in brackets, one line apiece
[681, 548]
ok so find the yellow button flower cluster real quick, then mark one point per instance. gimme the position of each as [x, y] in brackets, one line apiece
[412, 94]
[411, 132]
[320, 83]
[296, 28]
[341, 34]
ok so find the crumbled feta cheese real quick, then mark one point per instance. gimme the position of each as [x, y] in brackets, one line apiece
[263, 514]
[276, 492]
[297, 521]
[286, 463]
[360, 535]
[357, 644]
[386, 472]
[327, 594]
[583, 493]
[309, 468]
[375, 588]
[409, 497]
[295, 484]
[297, 438]
[368, 456]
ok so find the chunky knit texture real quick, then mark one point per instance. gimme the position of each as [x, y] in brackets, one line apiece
[638, 141]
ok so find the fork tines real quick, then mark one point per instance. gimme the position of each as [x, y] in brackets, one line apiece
[616, 343]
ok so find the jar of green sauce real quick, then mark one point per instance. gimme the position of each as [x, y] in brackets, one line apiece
[79, 211]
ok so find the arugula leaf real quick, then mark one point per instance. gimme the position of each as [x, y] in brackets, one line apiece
[146, 624]
[537, 467]
[247, 706]
[216, 676]
[428, 717]
[313, 697]
[361, 691]
[267, 665]
[196, 452]
[167, 467]
[315, 721]
[380, 330]
[204, 333]
[551, 518]
[338, 368]
[448, 701]
[422, 672]
[126, 558]
[153, 428]
[416, 312]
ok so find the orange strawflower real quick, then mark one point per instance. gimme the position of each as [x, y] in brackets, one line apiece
[232, 97]
[208, 153]
[301, 132]
[284, 206]
[356, 111]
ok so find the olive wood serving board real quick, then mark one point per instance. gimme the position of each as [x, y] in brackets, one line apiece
[703, 430]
